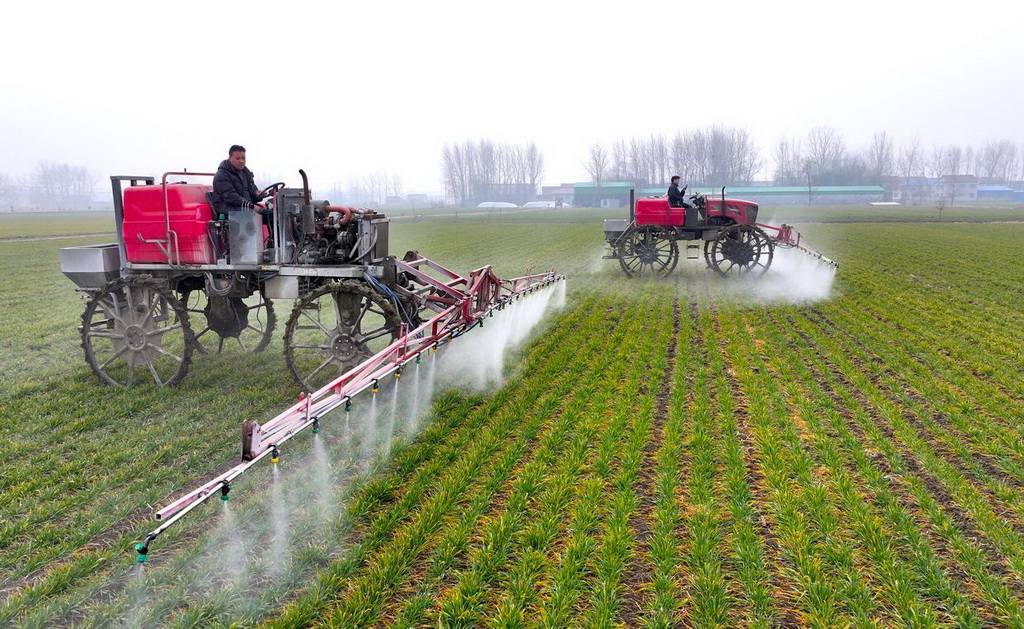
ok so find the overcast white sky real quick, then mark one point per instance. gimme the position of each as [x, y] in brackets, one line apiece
[343, 90]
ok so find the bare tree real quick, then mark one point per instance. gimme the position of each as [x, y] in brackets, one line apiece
[9, 191]
[533, 165]
[395, 185]
[789, 163]
[998, 160]
[956, 159]
[597, 164]
[475, 168]
[826, 151]
[935, 164]
[372, 186]
[911, 165]
[62, 185]
[636, 171]
[880, 157]
[456, 171]
[657, 154]
[620, 161]
[812, 192]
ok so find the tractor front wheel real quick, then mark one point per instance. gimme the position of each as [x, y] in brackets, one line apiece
[135, 328]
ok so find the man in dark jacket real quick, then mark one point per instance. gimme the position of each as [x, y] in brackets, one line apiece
[675, 195]
[233, 185]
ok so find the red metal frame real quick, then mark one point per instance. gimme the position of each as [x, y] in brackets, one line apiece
[460, 304]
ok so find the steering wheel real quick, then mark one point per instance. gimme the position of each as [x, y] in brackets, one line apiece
[273, 188]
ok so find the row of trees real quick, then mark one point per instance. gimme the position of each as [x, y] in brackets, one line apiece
[50, 186]
[716, 154]
[823, 158]
[728, 156]
[476, 169]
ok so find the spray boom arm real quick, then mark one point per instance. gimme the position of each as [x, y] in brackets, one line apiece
[784, 238]
[460, 303]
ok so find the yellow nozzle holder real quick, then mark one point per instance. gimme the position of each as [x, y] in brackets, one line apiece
[374, 387]
[275, 456]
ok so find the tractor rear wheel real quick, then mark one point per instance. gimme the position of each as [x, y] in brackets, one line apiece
[133, 326]
[335, 328]
[249, 322]
[647, 251]
[739, 250]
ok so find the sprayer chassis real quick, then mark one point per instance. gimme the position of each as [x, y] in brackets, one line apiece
[183, 281]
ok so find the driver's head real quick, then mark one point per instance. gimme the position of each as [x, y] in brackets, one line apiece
[675, 178]
[236, 155]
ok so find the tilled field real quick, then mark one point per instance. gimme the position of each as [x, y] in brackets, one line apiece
[662, 454]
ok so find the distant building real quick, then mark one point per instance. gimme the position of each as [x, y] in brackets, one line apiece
[929, 190]
[996, 194]
[564, 192]
[610, 194]
[957, 188]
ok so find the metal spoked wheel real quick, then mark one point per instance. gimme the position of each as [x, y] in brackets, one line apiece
[134, 326]
[739, 250]
[334, 328]
[226, 322]
[648, 251]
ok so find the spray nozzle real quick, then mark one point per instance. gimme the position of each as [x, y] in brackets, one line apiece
[417, 359]
[316, 425]
[275, 455]
[225, 489]
[142, 549]
[348, 404]
[374, 387]
[398, 373]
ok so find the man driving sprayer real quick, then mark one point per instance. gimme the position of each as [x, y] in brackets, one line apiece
[675, 195]
[234, 187]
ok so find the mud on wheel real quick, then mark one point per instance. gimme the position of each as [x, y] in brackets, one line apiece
[739, 250]
[133, 329]
[647, 251]
[334, 329]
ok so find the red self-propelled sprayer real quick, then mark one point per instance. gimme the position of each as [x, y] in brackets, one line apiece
[182, 279]
[735, 244]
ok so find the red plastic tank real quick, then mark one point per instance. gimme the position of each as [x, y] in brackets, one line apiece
[657, 212]
[189, 214]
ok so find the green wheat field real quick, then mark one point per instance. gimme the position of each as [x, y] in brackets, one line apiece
[683, 452]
